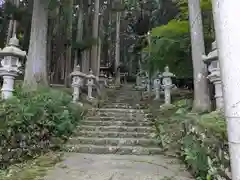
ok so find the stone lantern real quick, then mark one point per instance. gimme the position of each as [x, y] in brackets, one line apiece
[90, 84]
[214, 76]
[10, 66]
[110, 80]
[157, 86]
[77, 82]
[143, 84]
[102, 79]
[138, 79]
[167, 84]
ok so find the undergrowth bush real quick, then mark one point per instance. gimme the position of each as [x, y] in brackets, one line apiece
[32, 123]
[199, 140]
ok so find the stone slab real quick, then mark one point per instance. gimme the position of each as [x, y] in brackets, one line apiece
[108, 149]
[117, 167]
[114, 141]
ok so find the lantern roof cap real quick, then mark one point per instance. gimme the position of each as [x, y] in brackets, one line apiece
[90, 75]
[12, 48]
[167, 73]
[77, 72]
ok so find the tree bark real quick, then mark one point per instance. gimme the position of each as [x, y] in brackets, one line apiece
[85, 61]
[109, 60]
[228, 42]
[15, 23]
[79, 33]
[49, 51]
[94, 52]
[86, 54]
[201, 91]
[10, 26]
[36, 65]
[9, 32]
[68, 65]
[130, 66]
[117, 50]
[100, 44]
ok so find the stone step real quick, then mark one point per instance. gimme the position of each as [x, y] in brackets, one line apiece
[114, 141]
[117, 105]
[120, 110]
[112, 118]
[126, 117]
[122, 150]
[123, 115]
[103, 118]
[117, 128]
[120, 100]
[118, 123]
[113, 134]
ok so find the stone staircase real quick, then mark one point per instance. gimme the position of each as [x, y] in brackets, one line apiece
[115, 129]
[115, 142]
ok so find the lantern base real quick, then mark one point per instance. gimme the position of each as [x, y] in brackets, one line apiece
[7, 88]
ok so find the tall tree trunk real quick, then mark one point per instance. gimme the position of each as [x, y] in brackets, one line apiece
[15, 22]
[117, 50]
[49, 51]
[9, 32]
[85, 61]
[86, 55]
[36, 66]
[10, 26]
[228, 42]
[130, 70]
[110, 33]
[201, 91]
[94, 52]
[68, 65]
[100, 42]
[79, 32]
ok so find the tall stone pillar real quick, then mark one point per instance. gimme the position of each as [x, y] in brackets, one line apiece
[228, 41]
[214, 76]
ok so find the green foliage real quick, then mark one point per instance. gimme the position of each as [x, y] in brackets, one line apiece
[171, 46]
[173, 29]
[208, 133]
[33, 169]
[206, 5]
[183, 7]
[86, 43]
[32, 122]
[216, 124]
[194, 155]
[200, 140]
[184, 103]
[171, 43]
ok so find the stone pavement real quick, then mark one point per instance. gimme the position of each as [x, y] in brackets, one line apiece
[116, 143]
[117, 167]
